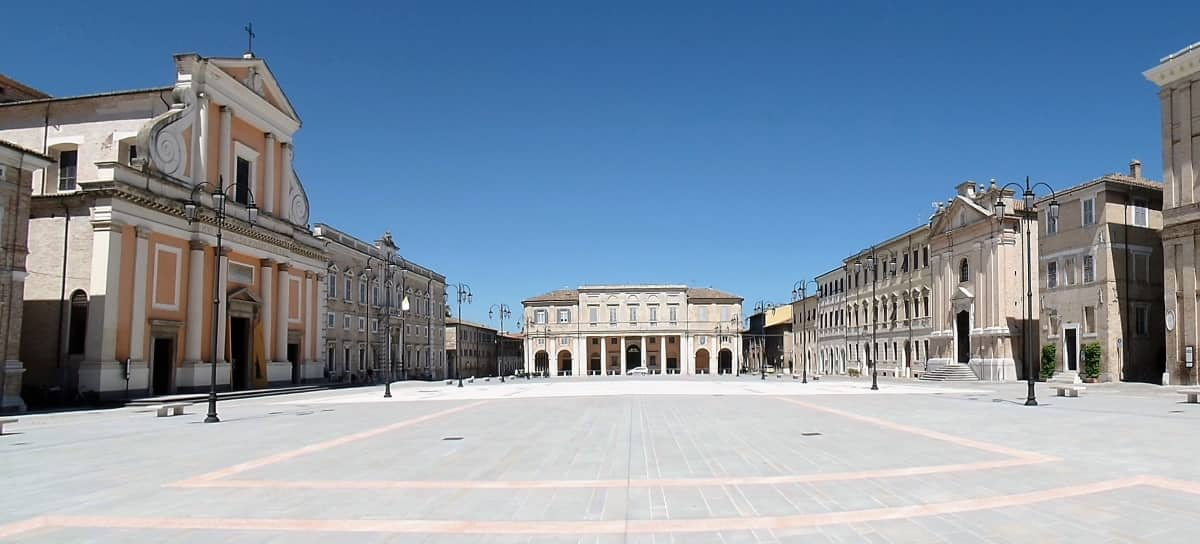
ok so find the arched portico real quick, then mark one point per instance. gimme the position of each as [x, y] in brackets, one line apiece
[541, 362]
[564, 363]
[725, 362]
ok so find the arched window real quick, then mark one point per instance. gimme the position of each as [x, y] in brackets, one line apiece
[77, 326]
[964, 271]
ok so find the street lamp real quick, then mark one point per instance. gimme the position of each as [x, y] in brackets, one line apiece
[191, 209]
[800, 292]
[504, 312]
[391, 359]
[762, 307]
[1030, 213]
[464, 295]
[889, 266]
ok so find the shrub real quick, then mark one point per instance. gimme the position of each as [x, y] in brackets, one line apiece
[853, 372]
[1091, 360]
[1049, 361]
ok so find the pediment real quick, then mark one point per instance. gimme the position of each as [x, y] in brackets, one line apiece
[242, 294]
[962, 293]
[255, 75]
[961, 212]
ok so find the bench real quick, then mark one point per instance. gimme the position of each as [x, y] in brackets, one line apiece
[6, 420]
[176, 409]
[1192, 394]
[1068, 390]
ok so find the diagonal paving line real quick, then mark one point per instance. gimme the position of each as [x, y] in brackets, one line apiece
[211, 477]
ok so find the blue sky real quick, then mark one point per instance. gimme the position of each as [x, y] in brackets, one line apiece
[526, 146]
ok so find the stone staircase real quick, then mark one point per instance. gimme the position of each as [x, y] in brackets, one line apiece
[951, 373]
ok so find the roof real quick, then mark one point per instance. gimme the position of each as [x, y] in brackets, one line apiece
[450, 322]
[86, 96]
[561, 295]
[25, 150]
[708, 293]
[7, 83]
[1119, 179]
[779, 315]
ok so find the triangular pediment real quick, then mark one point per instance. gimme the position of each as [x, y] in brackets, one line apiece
[243, 294]
[961, 212]
[254, 74]
[962, 293]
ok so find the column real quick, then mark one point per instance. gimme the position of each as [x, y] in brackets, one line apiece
[285, 179]
[104, 293]
[688, 355]
[268, 196]
[528, 354]
[200, 142]
[310, 333]
[579, 361]
[223, 307]
[137, 331]
[195, 305]
[603, 355]
[281, 325]
[662, 354]
[226, 144]
[1183, 113]
[266, 267]
[622, 356]
[644, 359]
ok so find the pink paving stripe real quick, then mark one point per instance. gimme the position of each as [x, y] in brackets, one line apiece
[606, 484]
[956, 440]
[592, 527]
[320, 446]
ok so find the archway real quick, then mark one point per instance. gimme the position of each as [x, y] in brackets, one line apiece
[725, 362]
[541, 363]
[633, 357]
[701, 361]
[564, 363]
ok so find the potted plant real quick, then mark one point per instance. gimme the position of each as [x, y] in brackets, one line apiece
[1091, 362]
[1049, 361]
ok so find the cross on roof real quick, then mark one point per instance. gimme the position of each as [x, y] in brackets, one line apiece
[249, 28]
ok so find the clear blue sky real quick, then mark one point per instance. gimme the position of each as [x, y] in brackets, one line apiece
[525, 146]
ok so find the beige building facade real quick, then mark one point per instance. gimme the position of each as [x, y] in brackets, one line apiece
[610, 329]
[17, 167]
[832, 349]
[977, 264]
[367, 333]
[888, 308]
[1101, 277]
[1178, 79]
[471, 349]
[119, 297]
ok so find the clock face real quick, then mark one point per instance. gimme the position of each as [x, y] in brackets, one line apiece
[1170, 320]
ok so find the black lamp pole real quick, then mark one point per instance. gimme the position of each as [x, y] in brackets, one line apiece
[1030, 212]
[464, 294]
[504, 312]
[190, 208]
[872, 265]
[800, 292]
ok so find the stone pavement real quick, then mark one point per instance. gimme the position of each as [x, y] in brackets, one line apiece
[623, 459]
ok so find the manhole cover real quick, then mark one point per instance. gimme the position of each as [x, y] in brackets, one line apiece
[453, 438]
[810, 434]
[1175, 412]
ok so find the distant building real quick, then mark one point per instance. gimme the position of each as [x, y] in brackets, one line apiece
[805, 355]
[357, 337]
[609, 329]
[832, 350]
[512, 353]
[471, 349]
[767, 342]
[1178, 79]
[17, 166]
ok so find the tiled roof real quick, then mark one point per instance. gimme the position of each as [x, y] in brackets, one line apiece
[561, 295]
[1109, 178]
[25, 150]
[707, 293]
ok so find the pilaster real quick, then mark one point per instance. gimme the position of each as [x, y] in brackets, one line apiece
[137, 327]
[195, 306]
[281, 327]
[223, 154]
[266, 272]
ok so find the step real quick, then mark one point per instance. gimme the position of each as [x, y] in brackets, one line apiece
[951, 373]
[225, 395]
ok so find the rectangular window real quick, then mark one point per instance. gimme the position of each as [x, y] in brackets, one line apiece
[349, 289]
[1069, 266]
[330, 320]
[241, 193]
[374, 325]
[1089, 211]
[133, 154]
[240, 273]
[68, 162]
[362, 323]
[1051, 224]
[612, 315]
[332, 286]
[1052, 274]
[1141, 320]
[1141, 217]
[653, 315]
[362, 290]
[1089, 269]
[1141, 268]
[633, 317]
[1089, 319]
[925, 257]
[564, 316]
[593, 314]
[673, 313]
[346, 322]
[703, 313]
[539, 317]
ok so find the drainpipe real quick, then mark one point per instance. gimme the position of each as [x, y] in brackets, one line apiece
[45, 141]
[1125, 321]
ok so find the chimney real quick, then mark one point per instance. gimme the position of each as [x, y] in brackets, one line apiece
[1135, 169]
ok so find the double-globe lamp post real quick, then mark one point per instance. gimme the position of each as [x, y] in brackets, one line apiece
[391, 267]
[800, 292]
[1030, 212]
[191, 208]
[504, 312]
[762, 307]
[889, 267]
[464, 295]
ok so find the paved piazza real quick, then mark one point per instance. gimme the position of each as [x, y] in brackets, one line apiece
[634, 459]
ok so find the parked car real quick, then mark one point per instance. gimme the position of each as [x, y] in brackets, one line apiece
[639, 370]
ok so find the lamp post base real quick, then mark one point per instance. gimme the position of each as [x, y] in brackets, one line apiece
[212, 418]
[1030, 399]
